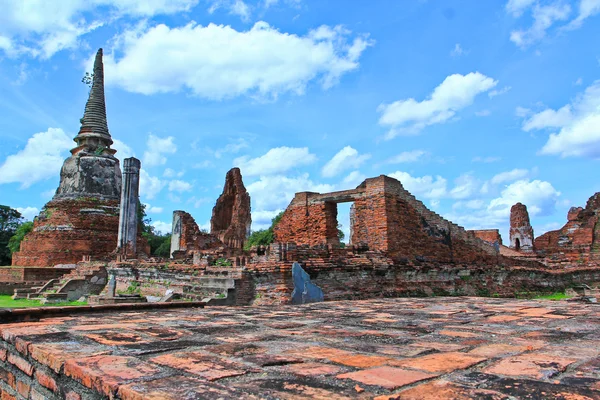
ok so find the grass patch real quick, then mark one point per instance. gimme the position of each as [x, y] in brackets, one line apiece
[7, 302]
[553, 296]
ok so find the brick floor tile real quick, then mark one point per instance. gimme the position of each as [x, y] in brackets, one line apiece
[106, 373]
[441, 362]
[534, 365]
[312, 369]
[201, 364]
[386, 377]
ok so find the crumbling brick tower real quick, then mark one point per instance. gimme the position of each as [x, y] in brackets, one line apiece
[521, 232]
[82, 218]
[231, 217]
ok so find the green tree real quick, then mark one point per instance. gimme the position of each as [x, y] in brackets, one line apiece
[263, 237]
[160, 244]
[14, 243]
[10, 219]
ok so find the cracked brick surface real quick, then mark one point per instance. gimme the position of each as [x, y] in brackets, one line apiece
[443, 348]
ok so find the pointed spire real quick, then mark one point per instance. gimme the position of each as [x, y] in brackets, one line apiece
[94, 128]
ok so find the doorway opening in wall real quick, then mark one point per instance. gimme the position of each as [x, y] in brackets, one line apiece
[517, 244]
[343, 222]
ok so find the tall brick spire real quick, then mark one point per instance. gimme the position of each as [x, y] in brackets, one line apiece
[93, 133]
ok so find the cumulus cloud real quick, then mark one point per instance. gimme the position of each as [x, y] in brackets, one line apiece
[345, 159]
[516, 7]
[353, 179]
[275, 192]
[41, 158]
[426, 187]
[153, 209]
[123, 150]
[156, 148]
[234, 7]
[150, 186]
[162, 227]
[276, 160]
[407, 157]
[587, 8]
[544, 16]
[509, 176]
[217, 61]
[179, 186]
[29, 213]
[498, 92]
[579, 124]
[540, 197]
[409, 116]
[465, 186]
[42, 28]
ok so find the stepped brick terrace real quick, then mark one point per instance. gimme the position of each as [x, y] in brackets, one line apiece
[444, 348]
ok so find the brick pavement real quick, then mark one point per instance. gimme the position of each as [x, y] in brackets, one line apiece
[442, 348]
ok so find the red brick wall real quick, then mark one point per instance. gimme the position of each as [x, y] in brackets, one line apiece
[67, 230]
[488, 235]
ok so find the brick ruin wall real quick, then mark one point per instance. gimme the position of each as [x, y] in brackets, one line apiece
[187, 237]
[231, 218]
[67, 230]
[12, 278]
[387, 218]
[521, 232]
[578, 242]
[488, 235]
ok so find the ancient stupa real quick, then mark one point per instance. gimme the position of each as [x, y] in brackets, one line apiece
[82, 218]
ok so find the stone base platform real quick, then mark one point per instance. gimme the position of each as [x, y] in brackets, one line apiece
[442, 348]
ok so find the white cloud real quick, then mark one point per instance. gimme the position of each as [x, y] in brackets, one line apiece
[345, 159]
[42, 28]
[353, 179]
[483, 113]
[156, 148]
[488, 159]
[466, 186]
[150, 186]
[232, 148]
[123, 150]
[262, 219]
[276, 160]
[453, 94]
[41, 158]
[407, 157]
[235, 7]
[275, 192]
[587, 8]
[457, 50]
[162, 227]
[549, 119]
[516, 7]
[522, 112]
[153, 209]
[217, 61]
[179, 186]
[540, 197]
[579, 124]
[171, 173]
[543, 18]
[498, 92]
[426, 187]
[29, 213]
[509, 176]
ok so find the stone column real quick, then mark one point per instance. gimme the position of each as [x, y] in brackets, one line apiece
[176, 232]
[128, 218]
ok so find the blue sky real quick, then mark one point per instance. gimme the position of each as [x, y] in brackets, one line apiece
[472, 105]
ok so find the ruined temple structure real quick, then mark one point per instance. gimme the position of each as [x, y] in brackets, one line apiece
[385, 218]
[521, 232]
[578, 242]
[186, 236]
[82, 219]
[231, 217]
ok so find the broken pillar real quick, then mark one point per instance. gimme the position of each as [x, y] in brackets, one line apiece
[128, 218]
[186, 236]
[521, 232]
[231, 217]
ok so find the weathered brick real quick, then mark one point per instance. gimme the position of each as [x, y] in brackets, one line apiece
[46, 380]
[23, 388]
[21, 363]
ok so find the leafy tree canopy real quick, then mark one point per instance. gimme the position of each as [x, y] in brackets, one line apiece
[263, 237]
[10, 219]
